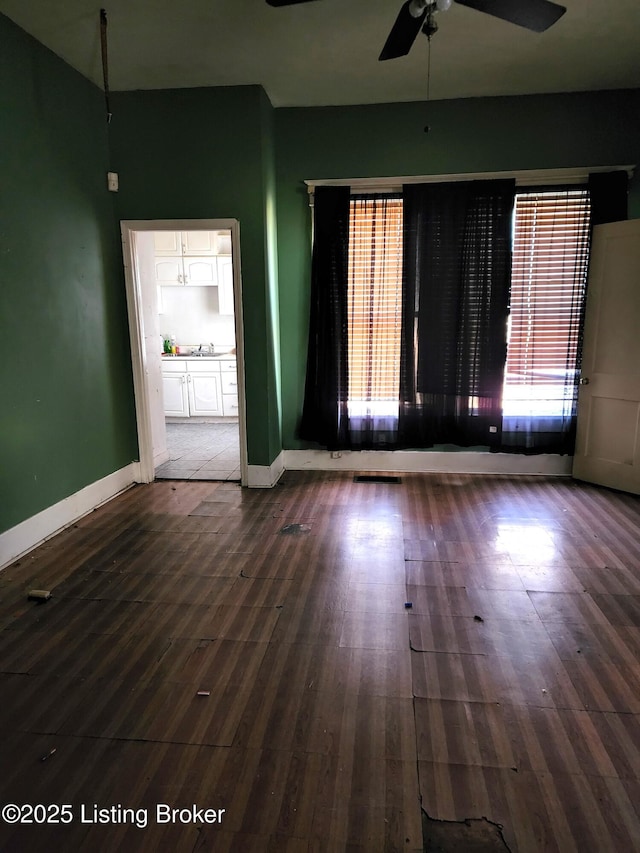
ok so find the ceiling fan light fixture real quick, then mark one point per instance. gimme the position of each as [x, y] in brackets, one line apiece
[417, 7]
[443, 5]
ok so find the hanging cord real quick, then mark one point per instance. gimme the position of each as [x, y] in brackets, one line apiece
[105, 61]
[427, 127]
[429, 29]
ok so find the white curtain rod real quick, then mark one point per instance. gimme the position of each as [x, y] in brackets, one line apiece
[531, 177]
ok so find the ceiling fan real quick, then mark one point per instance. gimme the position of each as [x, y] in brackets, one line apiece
[536, 15]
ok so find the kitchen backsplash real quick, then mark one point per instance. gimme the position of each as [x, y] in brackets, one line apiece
[191, 314]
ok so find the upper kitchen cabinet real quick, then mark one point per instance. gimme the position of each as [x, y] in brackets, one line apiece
[167, 242]
[192, 258]
[168, 270]
[196, 271]
[178, 243]
[200, 271]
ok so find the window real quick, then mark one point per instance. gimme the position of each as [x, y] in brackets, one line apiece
[414, 296]
[374, 305]
[548, 281]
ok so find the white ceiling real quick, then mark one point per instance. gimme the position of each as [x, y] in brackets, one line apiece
[326, 52]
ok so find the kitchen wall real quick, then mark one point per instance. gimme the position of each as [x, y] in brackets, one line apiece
[192, 314]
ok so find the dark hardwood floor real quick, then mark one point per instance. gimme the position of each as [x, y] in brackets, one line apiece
[334, 714]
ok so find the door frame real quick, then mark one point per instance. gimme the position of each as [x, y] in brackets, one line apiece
[134, 291]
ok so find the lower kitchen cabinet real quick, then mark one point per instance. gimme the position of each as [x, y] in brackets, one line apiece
[204, 394]
[176, 396]
[198, 388]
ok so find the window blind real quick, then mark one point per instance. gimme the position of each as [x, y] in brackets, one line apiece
[548, 280]
[375, 299]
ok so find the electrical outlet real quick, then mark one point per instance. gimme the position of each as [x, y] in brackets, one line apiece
[335, 454]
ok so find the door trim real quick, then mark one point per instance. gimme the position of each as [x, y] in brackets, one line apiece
[133, 285]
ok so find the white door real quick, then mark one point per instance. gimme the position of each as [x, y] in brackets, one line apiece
[608, 431]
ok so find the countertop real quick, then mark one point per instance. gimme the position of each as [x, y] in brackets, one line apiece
[226, 355]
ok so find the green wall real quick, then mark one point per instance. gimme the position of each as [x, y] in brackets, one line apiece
[208, 154]
[474, 135]
[67, 417]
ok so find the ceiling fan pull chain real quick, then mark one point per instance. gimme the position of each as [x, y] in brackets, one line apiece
[427, 127]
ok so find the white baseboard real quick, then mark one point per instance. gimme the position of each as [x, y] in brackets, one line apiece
[429, 462]
[266, 476]
[33, 531]
[160, 458]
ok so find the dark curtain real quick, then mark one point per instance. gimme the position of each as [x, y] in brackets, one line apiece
[456, 276]
[608, 196]
[324, 414]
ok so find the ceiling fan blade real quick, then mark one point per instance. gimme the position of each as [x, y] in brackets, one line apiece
[536, 15]
[286, 2]
[403, 33]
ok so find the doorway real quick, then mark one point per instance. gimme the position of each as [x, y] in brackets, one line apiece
[185, 317]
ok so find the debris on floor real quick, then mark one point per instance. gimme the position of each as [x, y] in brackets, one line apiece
[49, 754]
[39, 595]
[295, 529]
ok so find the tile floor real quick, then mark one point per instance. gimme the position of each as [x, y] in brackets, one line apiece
[202, 451]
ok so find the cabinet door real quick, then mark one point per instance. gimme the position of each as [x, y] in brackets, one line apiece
[168, 242]
[200, 271]
[176, 400]
[225, 285]
[199, 242]
[169, 271]
[204, 394]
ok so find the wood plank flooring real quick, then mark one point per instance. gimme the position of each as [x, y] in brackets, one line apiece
[334, 715]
